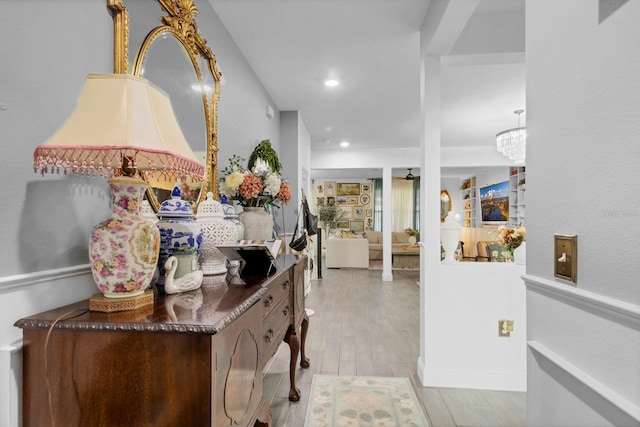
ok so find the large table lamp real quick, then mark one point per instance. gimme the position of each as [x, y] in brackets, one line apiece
[121, 125]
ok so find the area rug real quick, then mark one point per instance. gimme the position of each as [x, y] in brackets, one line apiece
[363, 401]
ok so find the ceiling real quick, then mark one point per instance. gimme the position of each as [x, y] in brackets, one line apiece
[373, 48]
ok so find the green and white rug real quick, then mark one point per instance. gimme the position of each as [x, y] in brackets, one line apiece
[363, 401]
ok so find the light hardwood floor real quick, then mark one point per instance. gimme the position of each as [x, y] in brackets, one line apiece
[364, 326]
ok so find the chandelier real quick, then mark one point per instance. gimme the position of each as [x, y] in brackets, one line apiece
[513, 142]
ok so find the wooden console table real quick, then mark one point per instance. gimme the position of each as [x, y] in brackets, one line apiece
[190, 359]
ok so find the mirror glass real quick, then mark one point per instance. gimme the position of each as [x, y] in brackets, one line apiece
[445, 204]
[162, 44]
[167, 64]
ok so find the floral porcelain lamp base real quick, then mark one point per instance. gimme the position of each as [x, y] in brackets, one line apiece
[124, 270]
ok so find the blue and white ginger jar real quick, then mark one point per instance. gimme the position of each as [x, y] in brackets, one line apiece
[177, 229]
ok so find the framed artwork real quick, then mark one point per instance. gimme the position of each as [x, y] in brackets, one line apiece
[369, 213]
[346, 211]
[319, 201]
[329, 188]
[365, 199]
[352, 200]
[365, 187]
[320, 188]
[341, 200]
[331, 201]
[348, 189]
[342, 223]
[358, 212]
[369, 223]
[357, 226]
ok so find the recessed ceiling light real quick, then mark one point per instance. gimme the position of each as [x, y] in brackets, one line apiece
[344, 144]
[331, 83]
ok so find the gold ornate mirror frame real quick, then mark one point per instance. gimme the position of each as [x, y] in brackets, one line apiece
[179, 22]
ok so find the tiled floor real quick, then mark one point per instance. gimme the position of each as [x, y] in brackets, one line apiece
[364, 326]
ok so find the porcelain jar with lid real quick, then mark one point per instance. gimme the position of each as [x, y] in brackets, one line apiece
[216, 231]
[177, 228]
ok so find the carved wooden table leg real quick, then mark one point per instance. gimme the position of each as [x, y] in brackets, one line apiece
[294, 345]
[304, 360]
[264, 417]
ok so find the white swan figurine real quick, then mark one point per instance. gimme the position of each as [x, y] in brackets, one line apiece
[188, 282]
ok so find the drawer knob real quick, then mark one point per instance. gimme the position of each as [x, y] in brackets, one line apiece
[268, 301]
[285, 311]
[269, 335]
[285, 284]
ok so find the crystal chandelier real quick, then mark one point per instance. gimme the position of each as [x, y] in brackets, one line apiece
[513, 142]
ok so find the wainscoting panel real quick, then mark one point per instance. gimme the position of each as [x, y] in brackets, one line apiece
[10, 382]
[583, 357]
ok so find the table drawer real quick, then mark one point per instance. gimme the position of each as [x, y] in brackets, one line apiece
[273, 295]
[275, 327]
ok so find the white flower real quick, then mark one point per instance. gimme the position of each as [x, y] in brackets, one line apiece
[233, 181]
[261, 167]
[272, 184]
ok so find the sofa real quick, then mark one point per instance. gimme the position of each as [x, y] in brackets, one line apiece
[347, 252]
[398, 240]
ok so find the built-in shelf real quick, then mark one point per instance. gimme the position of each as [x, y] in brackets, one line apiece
[517, 193]
[469, 201]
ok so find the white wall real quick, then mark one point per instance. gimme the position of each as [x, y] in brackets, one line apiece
[295, 158]
[583, 81]
[48, 48]
[464, 349]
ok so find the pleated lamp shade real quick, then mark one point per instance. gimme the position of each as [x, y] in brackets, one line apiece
[118, 116]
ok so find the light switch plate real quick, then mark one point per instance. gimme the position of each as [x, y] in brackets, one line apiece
[565, 257]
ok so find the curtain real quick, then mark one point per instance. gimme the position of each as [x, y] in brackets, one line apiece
[377, 204]
[402, 204]
[416, 203]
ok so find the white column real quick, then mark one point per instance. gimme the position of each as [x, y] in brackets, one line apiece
[429, 198]
[387, 224]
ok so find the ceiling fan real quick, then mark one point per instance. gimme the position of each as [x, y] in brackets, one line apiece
[409, 176]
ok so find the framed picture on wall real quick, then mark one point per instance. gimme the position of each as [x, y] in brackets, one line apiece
[365, 187]
[348, 189]
[342, 223]
[358, 212]
[341, 200]
[357, 226]
[369, 223]
[329, 188]
[319, 201]
[365, 199]
[346, 211]
[352, 200]
[369, 213]
[331, 201]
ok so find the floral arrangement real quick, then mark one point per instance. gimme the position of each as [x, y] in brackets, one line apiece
[256, 187]
[411, 232]
[511, 237]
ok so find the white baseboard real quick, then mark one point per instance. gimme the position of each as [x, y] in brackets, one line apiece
[474, 380]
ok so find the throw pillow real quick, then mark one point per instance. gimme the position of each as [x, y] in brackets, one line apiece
[380, 240]
[495, 252]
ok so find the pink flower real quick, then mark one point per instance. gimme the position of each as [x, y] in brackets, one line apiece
[251, 187]
[284, 195]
